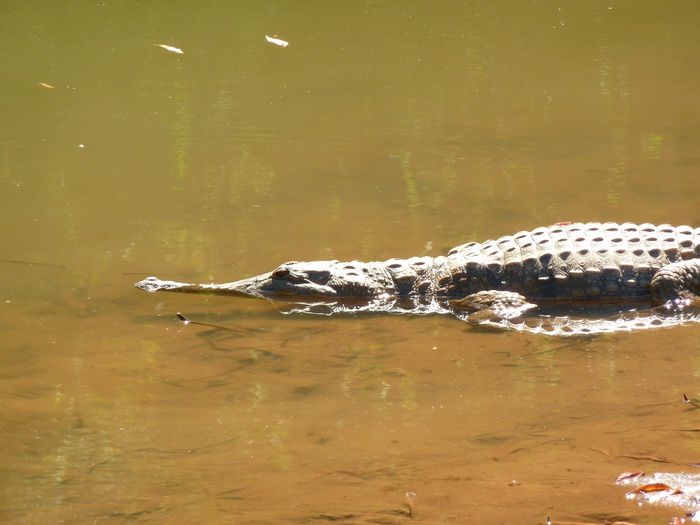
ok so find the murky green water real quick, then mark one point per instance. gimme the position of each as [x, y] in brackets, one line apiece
[383, 129]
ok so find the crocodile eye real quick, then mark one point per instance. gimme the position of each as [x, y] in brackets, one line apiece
[280, 273]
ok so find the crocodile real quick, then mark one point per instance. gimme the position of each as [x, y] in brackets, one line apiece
[632, 275]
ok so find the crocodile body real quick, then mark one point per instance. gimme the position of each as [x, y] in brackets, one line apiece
[492, 282]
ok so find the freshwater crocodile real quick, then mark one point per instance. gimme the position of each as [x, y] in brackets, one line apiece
[580, 267]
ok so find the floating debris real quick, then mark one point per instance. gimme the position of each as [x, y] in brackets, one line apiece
[677, 490]
[411, 501]
[654, 487]
[276, 41]
[45, 85]
[628, 476]
[172, 49]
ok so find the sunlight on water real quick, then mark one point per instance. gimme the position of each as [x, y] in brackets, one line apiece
[381, 130]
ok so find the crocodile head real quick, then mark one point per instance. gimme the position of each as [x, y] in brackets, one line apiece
[311, 279]
[291, 280]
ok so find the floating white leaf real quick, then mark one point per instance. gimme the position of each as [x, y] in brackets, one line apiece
[172, 49]
[276, 41]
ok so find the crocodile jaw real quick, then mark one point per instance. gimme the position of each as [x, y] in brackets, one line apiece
[251, 287]
[265, 286]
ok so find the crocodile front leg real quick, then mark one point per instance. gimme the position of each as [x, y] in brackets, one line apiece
[493, 306]
[677, 285]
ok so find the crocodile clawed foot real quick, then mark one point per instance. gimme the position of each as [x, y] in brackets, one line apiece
[493, 306]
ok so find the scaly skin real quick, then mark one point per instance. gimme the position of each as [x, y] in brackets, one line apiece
[567, 263]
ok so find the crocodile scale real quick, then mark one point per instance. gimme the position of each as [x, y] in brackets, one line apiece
[571, 261]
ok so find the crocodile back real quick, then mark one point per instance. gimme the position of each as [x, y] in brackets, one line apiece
[572, 261]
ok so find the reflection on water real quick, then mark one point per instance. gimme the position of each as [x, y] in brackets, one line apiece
[381, 131]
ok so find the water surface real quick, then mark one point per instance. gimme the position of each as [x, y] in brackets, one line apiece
[383, 130]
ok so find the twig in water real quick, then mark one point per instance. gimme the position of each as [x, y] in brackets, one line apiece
[33, 263]
[187, 320]
[693, 402]
[656, 459]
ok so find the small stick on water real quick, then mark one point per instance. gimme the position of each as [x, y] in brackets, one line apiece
[693, 402]
[33, 263]
[410, 499]
[187, 320]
